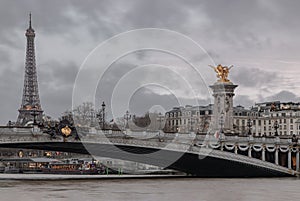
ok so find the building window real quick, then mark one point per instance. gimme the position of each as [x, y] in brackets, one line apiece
[291, 120]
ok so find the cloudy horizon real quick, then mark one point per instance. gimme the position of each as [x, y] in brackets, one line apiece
[260, 38]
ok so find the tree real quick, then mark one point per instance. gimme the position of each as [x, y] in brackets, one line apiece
[143, 121]
[82, 115]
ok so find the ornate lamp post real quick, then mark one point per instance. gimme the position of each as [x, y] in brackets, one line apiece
[276, 126]
[103, 115]
[92, 117]
[127, 116]
[249, 125]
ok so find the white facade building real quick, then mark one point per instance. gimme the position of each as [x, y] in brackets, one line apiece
[262, 119]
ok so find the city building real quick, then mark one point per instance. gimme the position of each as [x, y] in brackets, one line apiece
[262, 119]
[275, 118]
[188, 119]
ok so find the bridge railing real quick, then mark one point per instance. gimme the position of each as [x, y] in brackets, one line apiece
[17, 134]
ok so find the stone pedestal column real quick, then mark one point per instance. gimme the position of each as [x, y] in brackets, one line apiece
[223, 93]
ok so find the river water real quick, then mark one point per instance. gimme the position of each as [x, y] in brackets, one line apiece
[173, 189]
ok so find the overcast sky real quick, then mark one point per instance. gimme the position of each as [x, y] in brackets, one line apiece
[260, 38]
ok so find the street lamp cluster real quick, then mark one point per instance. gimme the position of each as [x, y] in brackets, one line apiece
[101, 116]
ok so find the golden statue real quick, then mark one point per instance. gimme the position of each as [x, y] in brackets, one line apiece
[66, 131]
[222, 72]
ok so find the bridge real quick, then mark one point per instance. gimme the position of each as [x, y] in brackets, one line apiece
[198, 155]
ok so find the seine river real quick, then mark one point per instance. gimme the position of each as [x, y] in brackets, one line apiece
[173, 189]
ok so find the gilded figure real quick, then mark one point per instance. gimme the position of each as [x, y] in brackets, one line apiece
[222, 72]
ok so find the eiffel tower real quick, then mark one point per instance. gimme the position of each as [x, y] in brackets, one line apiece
[30, 109]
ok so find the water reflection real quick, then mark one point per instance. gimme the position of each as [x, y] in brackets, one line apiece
[175, 189]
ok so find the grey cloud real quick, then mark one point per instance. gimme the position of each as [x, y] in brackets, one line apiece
[56, 101]
[253, 77]
[243, 100]
[232, 29]
[56, 82]
[157, 13]
[11, 94]
[57, 74]
[4, 58]
[284, 96]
